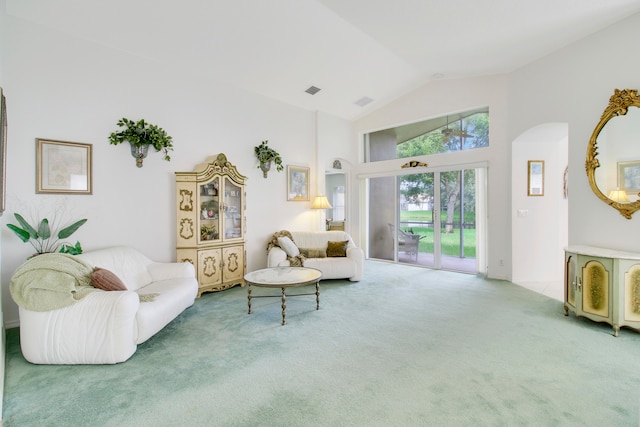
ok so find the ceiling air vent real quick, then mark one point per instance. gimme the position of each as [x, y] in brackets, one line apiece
[364, 101]
[312, 90]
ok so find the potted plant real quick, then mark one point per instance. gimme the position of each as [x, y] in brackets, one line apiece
[266, 155]
[43, 239]
[208, 232]
[141, 135]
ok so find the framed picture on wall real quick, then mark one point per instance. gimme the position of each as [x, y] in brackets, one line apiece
[629, 176]
[297, 183]
[63, 167]
[535, 180]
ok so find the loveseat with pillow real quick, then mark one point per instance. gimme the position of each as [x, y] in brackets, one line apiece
[95, 308]
[332, 252]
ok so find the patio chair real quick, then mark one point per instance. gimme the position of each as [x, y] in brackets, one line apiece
[408, 243]
[335, 225]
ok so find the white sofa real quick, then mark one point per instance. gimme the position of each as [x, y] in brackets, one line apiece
[105, 327]
[349, 267]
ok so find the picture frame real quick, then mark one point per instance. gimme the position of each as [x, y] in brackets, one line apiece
[535, 178]
[297, 183]
[63, 167]
[3, 151]
[629, 176]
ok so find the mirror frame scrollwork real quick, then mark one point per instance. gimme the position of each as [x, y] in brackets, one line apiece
[619, 104]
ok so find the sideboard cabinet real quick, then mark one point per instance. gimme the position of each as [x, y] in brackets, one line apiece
[603, 285]
[210, 223]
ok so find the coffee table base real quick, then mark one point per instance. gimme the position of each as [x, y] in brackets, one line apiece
[284, 299]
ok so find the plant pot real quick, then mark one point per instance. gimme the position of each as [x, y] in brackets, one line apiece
[139, 152]
[265, 167]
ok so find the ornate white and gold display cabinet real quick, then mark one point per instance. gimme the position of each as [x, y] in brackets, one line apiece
[603, 285]
[210, 205]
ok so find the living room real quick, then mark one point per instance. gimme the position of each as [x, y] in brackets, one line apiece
[65, 87]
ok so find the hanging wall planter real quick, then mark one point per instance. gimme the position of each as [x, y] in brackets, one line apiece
[139, 152]
[265, 167]
[141, 135]
[266, 155]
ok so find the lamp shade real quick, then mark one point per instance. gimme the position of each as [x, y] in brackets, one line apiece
[618, 196]
[320, 202]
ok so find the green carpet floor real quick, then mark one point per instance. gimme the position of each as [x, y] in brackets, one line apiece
[406, 346]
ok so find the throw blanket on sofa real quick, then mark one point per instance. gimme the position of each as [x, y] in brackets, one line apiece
[296, 261]
[51, 281]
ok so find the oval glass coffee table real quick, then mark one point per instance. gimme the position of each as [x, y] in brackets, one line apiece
[283, 278]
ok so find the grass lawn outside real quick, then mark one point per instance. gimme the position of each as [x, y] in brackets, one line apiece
[450, 242]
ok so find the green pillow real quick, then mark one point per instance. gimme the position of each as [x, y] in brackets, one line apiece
[313, 252]
[336, 249]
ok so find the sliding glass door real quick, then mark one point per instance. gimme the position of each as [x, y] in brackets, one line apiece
[429, 219]
[416, 222]
[458, 237]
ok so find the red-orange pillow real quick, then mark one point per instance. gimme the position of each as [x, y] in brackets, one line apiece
[106, 280]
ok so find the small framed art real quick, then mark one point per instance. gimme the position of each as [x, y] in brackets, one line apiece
[629, 176]
[297, 183]
[535, 179]
[63, 167]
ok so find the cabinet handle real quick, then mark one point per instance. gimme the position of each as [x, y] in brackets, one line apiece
[580, 284]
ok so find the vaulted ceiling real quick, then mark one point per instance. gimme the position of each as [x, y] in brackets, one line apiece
[350, 49]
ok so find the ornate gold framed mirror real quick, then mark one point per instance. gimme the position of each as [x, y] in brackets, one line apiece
[613, 155]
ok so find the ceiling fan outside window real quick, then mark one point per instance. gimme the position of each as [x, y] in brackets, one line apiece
[458, 131]
[448, 132]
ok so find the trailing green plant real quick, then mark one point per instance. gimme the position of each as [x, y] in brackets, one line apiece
[141, 133]
[43, 239]
[266, 154]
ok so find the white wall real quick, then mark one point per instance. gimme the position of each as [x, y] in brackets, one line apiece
[335, 141]
[571, 86]
[540, 223]
[64, 88]
[448, 96]
[574, 85]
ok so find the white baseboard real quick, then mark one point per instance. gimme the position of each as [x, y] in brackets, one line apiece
[12, 324]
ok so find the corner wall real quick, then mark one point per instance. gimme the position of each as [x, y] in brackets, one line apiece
[447, 96]
[70, 89]
[540, 223]
[573, 85]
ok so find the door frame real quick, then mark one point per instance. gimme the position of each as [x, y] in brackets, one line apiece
[481, 210]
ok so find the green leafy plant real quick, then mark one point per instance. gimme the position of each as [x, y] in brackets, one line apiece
[266, 155]
[43, 239]
[207, 232]
[71, 250]
[141, 133]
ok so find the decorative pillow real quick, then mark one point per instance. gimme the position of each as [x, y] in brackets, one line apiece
[314, 252]
[288, 246]
[335, 249]
[106, 280]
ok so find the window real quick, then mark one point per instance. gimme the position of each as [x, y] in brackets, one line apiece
[338, 203]
[454, 132]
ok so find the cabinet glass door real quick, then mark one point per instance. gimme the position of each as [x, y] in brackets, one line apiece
[210, 210]
[232, 210]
